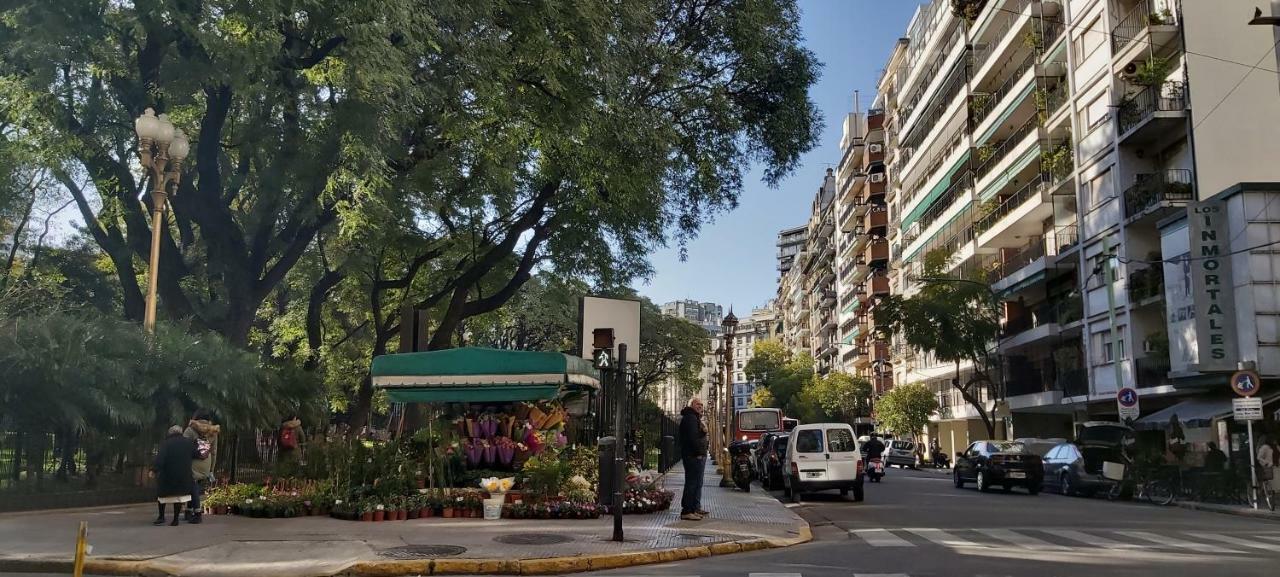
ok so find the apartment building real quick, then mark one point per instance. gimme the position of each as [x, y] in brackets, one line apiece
[1051, 150]
[789, 302]
[704, 314]
[762, 325]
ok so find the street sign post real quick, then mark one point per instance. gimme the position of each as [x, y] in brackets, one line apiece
[1127, 403]
[1246, 384]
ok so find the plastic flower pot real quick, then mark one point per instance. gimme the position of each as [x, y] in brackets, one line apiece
[447, 513]
[401, 515]
[379, 516]
[413, 514]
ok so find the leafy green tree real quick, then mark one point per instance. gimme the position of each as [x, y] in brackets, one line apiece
[905, 409]
[957, 321]
[775, 368]
[842, 397]
[763, 398]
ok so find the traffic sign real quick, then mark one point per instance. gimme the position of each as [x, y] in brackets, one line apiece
[604, 359]
[1246, 409]
[1127, 402]
[1245, 383]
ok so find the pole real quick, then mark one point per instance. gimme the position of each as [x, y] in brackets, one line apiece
[81, 547]
[619, 448]
[1253, 466]
[1109, 277]
[153, 274]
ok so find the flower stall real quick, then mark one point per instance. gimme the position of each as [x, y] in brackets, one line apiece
[493, 445]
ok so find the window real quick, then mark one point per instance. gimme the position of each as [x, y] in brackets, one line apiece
[1096, 112]
[1105, 353]
[1054, 454]
[809, 441]
[840, 440]
[739, 364]
[973, 450]
[1090, 39]
[1098, 189]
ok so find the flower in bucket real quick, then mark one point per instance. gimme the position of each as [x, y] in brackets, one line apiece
[497, 485]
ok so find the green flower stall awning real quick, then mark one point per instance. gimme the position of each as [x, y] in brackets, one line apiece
[478, 375]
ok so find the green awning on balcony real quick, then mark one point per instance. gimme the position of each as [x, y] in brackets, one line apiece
[1024, 283]
[474, 375]
[853, 306]
[1013, 102]
[849, 339]
[1003, 179]
[937, 191]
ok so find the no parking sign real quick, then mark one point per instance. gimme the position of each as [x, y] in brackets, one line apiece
[1127, 402]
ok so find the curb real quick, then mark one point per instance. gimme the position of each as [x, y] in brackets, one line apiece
[1239, 512]
[542, 566]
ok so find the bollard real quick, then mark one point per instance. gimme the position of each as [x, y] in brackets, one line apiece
[604, 493]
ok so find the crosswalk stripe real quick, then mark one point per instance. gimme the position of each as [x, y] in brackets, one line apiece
[1178, 543]
[943, 538]
[881, 538]
[774, 575]
[1238, 540]
[1091, 539]
[1021, 540]
[880, 575]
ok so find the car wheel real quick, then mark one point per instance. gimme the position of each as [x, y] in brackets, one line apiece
[795, 493]
[844, 492]
[1008, 488]
[857, 493]
[955, 478]
[786, 488]
[983, 485]
[1033, 489]
[1064, 485]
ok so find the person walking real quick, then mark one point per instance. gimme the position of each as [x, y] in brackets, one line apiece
[693, 453]
[173, 473]
[1268, 462]
[1215, 460]
[203, 433]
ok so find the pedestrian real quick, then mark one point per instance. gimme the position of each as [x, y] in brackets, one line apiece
[1215, 460]
[287, 440]
[693, 453]
[1268, 461]
[203, 433]
[173, 473]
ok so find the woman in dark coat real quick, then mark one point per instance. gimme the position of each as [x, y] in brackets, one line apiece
[173, 473]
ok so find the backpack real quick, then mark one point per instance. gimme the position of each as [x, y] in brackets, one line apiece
[202, 449]
[288, 438]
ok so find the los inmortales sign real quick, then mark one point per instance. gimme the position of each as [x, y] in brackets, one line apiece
[1211, 285]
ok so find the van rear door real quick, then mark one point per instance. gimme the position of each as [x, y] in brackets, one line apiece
[810, 454]
[842, 454]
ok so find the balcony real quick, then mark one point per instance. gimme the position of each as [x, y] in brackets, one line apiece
[828, 298]
[990, 155]
[879, 285]
[1143, 33]
[1153, 371]
[959, 186]
[1155, 114]
[1074, 382]
[847, 220]
[876, 222]
[1065, 238]
[1158, 193]
[1044, 321]
[1146, 286]
[981, 105]
[877, 253]
[1028, 205]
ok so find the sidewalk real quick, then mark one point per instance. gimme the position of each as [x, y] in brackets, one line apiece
[125, 543]
[1238, 510]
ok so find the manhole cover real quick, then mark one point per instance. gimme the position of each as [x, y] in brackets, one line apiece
[409, 552]
[532, 539]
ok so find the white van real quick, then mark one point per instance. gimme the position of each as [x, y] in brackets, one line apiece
[823, 456]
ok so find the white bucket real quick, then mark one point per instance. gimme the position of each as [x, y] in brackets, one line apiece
[493, 508]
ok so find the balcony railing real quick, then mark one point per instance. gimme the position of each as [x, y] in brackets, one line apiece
[1153, 371]
[1008, 15]
[1146, 283]
[938, 162]
[1028, 254]
[981, 105]
[1137, 20]
[944, 201]
[1065, 237]
[1170, 185]
[1061, 311]
[990, 157]
[1028, 191]
[954, 83]
[1170, 97]
[1074, 382]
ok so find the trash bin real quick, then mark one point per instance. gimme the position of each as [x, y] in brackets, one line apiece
[608, 446]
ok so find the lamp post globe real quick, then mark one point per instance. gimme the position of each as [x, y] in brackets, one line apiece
[161, 148]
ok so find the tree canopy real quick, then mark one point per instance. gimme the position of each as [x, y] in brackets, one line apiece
[957, 321]
[906, 408]
[782, 373]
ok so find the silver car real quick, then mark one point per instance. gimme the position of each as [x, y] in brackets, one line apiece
[902, 452]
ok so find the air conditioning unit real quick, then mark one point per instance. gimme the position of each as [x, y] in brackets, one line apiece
[1130, 71]
[877, 177]
[876, 148]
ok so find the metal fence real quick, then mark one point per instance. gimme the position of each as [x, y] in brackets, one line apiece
[57, 471]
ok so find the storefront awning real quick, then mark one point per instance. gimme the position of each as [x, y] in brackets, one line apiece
[1193, 413]
[476, 375]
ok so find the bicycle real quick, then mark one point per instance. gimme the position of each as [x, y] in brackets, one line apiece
[1263, 493]
[1143, 487]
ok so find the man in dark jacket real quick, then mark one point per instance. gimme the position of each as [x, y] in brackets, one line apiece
[693, 452]
[173, 473]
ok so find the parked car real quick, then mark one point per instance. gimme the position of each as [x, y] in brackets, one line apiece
[775, 463]
[1005, 463]
[762, 450]
[823, 456]
[901, 452]
[1040, 446]
[1076, 468]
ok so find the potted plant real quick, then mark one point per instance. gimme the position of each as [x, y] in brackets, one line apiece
[448, 507]
[379, 513]
[366, 511]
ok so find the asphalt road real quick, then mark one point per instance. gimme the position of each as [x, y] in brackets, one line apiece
[916, 524]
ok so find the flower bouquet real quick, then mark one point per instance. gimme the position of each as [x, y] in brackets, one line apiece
[505, 450]
[496, 486]
[522, 454]
[488, 449]
[534, 441]
[474, 452]
[505, 424]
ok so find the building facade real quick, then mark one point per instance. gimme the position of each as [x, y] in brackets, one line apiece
[1059, 153]
[704, 314]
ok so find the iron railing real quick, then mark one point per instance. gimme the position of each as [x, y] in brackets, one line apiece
[1169, 97]
[1065, 238]
[993, 156]
[1170, 185]
[1153, 371]
[1137, 20]
[944, 201]
[1028, 191]
[1146, 283]
[981, 105]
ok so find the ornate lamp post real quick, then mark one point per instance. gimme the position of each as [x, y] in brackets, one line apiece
[730, 324]
[717, 435]
[162, 149]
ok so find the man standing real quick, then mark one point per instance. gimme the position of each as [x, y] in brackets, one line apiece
[693, 453]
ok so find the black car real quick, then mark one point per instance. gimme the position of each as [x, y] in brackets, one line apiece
[762, 452]
[1004, 463]
[775, 463]
[1076, 468]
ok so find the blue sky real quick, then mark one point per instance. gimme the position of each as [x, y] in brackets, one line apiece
[732, 261]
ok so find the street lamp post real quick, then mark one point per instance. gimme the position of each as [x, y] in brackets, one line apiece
[162, 148]
[730, 324]
[717, 438]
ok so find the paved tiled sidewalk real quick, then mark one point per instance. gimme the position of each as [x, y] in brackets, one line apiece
[306, 546]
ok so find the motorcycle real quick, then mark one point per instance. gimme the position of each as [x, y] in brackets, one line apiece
[740, 463]
[940, 460]
[875, 469]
